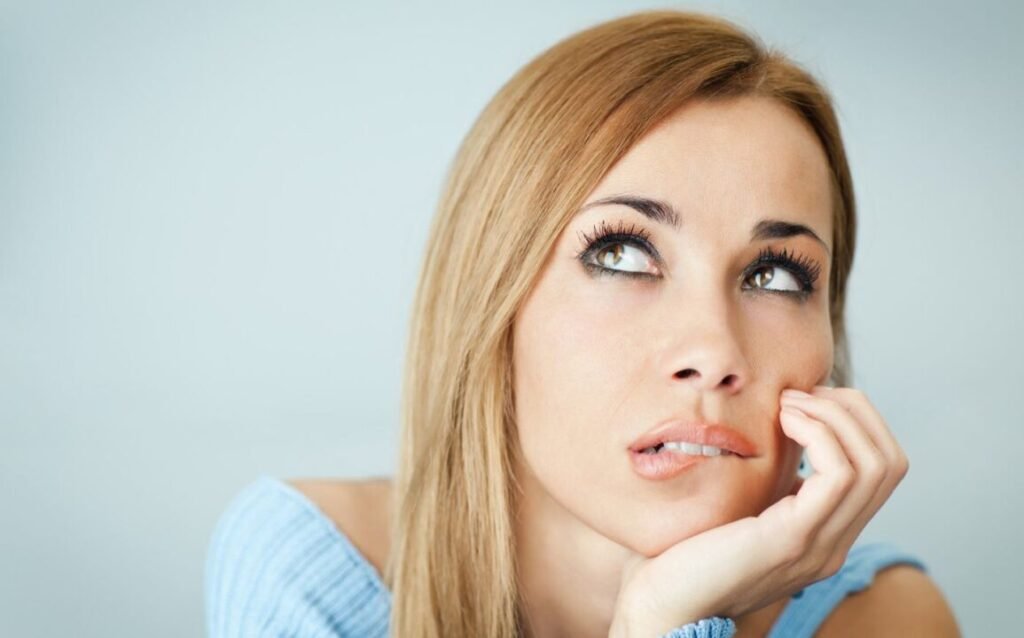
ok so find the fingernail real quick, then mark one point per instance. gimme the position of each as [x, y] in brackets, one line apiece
[795, 393]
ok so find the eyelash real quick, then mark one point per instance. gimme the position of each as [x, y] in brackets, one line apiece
[804, 269]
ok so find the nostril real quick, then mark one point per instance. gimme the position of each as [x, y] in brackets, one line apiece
[686, 374]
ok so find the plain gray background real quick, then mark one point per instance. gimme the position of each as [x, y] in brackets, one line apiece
[211, 219]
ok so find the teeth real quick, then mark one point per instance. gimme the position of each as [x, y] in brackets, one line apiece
[695, 448]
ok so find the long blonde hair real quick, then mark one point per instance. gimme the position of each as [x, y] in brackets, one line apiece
[539, 147]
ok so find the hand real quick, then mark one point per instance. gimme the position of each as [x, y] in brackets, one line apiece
[803, 538]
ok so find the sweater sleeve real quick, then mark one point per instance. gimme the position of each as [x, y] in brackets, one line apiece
[713, 627]
[276, 566]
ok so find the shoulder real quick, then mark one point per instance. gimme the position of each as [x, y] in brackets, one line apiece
[359, 508]
[276, 565]
[903, 600]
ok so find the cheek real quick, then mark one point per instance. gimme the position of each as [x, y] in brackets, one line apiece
[786, 351]
[790, 350]
[571, 363]
[808, 365]
[576, 376]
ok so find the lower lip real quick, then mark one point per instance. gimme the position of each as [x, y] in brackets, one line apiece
[667, 464]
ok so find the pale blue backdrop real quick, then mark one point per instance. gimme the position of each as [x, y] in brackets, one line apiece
[211, 216]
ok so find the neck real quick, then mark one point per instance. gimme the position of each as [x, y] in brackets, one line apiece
[569, 574]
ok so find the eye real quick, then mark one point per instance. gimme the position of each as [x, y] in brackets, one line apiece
[801, 272]
[770, 274]
[621, 256]
[619, 250]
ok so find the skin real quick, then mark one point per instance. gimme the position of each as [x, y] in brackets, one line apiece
[598, 361]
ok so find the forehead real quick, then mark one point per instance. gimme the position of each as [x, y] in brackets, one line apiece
[729, 163]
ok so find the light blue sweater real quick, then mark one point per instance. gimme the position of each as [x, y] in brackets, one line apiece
[277, 566]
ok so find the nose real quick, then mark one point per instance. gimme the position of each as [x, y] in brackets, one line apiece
[711, 379]
[706, 351]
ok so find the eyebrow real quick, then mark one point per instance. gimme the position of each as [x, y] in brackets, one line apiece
[664, 213]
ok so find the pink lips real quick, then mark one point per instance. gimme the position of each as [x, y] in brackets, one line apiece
[718, 435]
[667, 464]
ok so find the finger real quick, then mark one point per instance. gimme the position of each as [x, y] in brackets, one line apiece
[861, 407]
[802, 515]
[867, 460]
[821, 493]
[832, 412]
[797, 484]
[852, 434]
[857, 403]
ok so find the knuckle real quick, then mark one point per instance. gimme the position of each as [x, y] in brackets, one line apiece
[903, 465]
[874, 469]
[796, 545]
[832, 565]
[844, 479]
[854, 394]
[820, 562]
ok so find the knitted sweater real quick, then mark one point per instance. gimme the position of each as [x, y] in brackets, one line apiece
[276, 565]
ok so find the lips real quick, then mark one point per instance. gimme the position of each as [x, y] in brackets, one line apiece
[716, 434]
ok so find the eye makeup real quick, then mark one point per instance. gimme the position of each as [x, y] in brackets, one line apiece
[804, 269]
[607, 236]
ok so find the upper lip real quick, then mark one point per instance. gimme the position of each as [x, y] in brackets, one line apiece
[719, 435]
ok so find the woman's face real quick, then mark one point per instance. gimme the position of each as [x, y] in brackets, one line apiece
[681, 325]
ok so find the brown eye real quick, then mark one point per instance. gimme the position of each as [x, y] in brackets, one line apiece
[801, 270]
[619, 250]
[617, 257]
[767, 274]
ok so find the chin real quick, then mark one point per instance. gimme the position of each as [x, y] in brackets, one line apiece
[660, 532]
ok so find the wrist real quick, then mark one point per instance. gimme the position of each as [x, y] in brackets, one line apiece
[711, 627]
[643, 622]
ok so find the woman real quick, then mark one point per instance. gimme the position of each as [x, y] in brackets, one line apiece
[638, 263]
